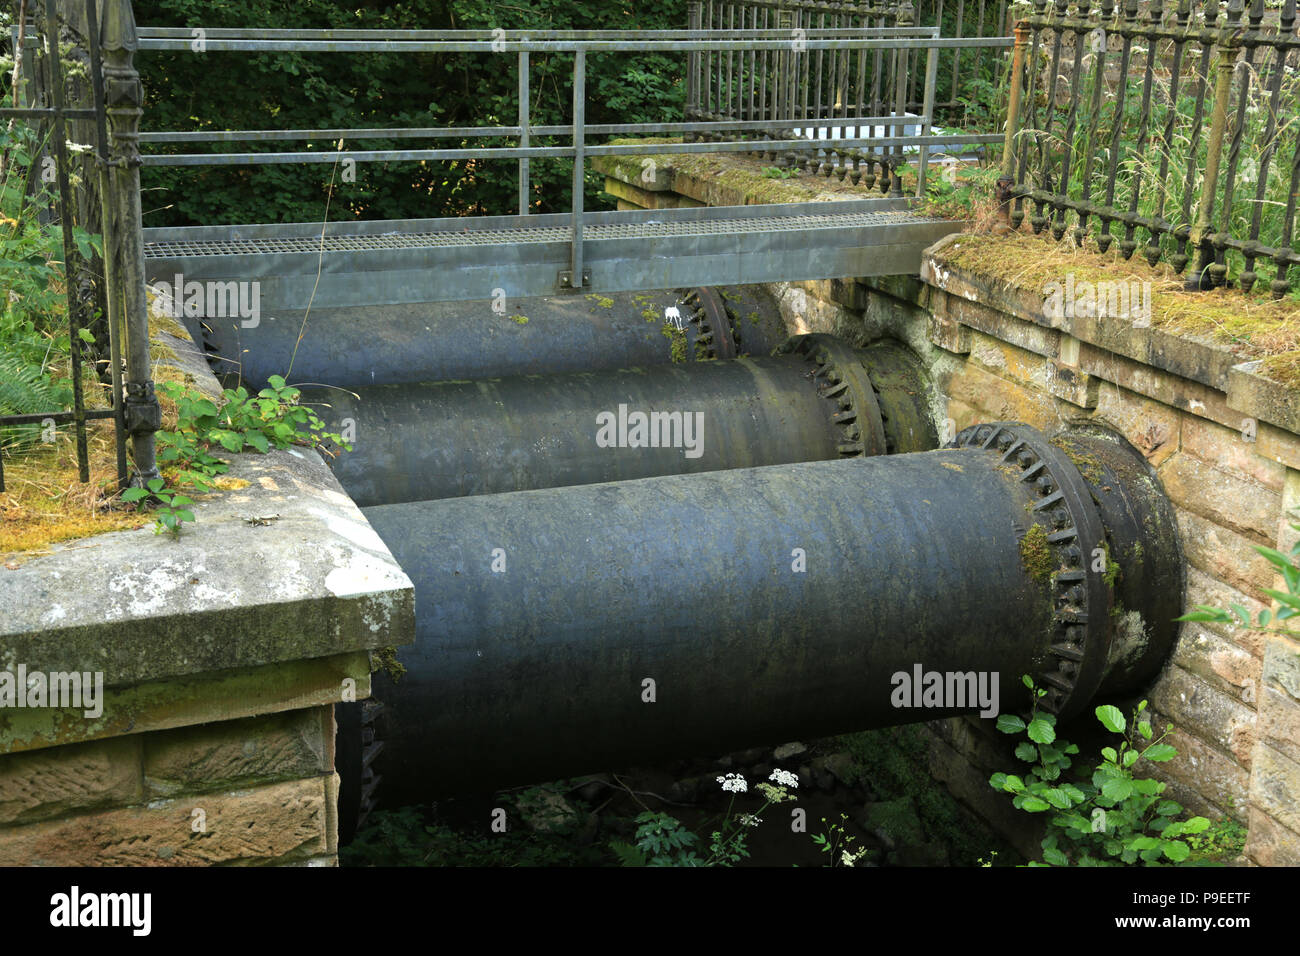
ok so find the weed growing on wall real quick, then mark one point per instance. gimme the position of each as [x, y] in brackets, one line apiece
[1113, 818]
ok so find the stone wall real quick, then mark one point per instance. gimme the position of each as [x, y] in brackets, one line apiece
[221, 654]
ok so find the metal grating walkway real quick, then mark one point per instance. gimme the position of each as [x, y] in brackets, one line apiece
[376, 263]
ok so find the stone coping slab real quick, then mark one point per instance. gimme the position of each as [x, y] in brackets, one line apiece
[1197, 359]
[282, 567]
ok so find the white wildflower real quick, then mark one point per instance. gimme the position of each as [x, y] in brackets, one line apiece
[749, 820]
[785, 778]
[847, 858]
[733, 783]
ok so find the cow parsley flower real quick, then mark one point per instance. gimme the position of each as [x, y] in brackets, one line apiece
[785, 778]
[733, 783]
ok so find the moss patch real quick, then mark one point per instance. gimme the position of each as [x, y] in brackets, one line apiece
[1036, 554]
[1252, 325]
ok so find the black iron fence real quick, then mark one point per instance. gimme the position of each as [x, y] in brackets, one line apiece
[1170, 125]
[47, 118]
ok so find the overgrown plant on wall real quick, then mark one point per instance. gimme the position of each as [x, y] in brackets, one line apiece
[1112, 818]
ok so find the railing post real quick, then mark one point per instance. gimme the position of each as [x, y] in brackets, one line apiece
[1204, 275]
[905, 19]
[524, 123]
[579, 164]
[927, 109]
[1008, 177]
[127, 305]
[694, 15]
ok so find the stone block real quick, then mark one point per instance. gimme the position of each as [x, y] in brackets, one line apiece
[237, 753]
[1152, 428]
[1226, 555]
[60, 780]
[1279, 722]
[1269, 843]
[1282, 664]
[1199, 708]
[997, 399]
[1252, 394]
[278, 822]
[1236, 503]
[1209, 591]
[1274, 784]
[1224, 665]
[949, 334]
[1227, 450]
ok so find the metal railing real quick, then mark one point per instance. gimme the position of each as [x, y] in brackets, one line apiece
[832, 83]
[729, 134]
[1188, 143]
[51, 120]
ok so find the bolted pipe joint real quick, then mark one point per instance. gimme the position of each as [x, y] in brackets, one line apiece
[1105, 538]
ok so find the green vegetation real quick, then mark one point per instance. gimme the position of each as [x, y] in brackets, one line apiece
[215, 90]
[1112, 818]
[271, 419]
[895, 763]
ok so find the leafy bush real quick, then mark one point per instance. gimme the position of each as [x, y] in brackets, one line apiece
[1115, 818]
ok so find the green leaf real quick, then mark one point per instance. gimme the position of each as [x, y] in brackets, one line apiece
[258, 441]
[134, 494]
[1041, 731]
[1169, 808]
[1010, 724]
[1027, 751]
[1112, 718]
[1144, 729]
[1207, 614]
[1241, 612]
[1109, 754]
[1058, 798]
[1055, 858]
[1264, 617]
[1159, 753]
[86, 336]
[1117, 789]
[1130, 758]
[1032, 804]
[1027, 681]
[1013, 784]
[1176, 851]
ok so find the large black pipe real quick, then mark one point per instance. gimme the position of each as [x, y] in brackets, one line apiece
[439, 341]
[820, 400]
[767, 603]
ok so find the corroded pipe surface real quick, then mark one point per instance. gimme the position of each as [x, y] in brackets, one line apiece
[569, 630]
[449, 439]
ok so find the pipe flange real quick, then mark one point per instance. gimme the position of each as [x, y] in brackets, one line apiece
[1079, 648]
[709, 317]
[841, 380]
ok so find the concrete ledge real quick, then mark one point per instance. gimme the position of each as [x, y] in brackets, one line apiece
[314, 580]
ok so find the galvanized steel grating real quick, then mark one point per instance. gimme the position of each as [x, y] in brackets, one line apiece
[168, 249]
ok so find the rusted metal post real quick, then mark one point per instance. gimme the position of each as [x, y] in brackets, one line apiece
[1206, 273]
[1007, 178]
[127, 305]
